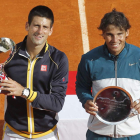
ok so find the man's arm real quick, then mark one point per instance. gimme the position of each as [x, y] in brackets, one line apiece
[83, 87]
[53, 101]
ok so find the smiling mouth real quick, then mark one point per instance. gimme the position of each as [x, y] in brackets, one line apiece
[38, 36]
[114, 45]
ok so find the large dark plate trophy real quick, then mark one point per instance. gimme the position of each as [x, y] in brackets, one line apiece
[7, 50]
[114, 105]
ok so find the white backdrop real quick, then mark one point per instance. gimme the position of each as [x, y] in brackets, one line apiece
[73, 119]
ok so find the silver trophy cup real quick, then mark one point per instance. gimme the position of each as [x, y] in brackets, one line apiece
[7, 50]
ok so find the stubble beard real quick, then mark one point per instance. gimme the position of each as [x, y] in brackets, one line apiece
[38, 42]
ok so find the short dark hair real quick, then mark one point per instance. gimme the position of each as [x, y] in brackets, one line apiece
[115, 18]
[41, 11]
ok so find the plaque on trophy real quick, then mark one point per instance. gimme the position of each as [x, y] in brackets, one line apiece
[7, 49]
[114, 105]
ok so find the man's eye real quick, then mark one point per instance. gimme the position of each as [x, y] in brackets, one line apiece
[120, 34]
[36, 25]
[45, 27]
[109, 35]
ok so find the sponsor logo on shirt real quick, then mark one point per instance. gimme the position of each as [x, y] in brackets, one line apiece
[43, 67]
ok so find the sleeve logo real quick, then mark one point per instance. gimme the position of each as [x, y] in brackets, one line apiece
[63, 79]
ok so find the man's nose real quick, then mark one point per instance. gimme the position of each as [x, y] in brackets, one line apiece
[40, 30]
[115, 38]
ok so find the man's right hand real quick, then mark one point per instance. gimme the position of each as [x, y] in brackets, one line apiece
[90, 107]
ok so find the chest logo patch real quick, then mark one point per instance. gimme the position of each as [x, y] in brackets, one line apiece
[132, 64]
[43, 67]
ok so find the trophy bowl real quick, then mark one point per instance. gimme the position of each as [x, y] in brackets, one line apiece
[7, 50]
[114, 105]
[7, 47]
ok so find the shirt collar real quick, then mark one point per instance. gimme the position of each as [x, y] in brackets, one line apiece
[24, 52]
[121, 54]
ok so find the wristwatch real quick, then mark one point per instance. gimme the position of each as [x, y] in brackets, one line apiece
[26, 92]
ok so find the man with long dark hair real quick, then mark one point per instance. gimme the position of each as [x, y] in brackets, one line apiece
[116, 63]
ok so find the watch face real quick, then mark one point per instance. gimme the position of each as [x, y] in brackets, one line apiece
[26, 92]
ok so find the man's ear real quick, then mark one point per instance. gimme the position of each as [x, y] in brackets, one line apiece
[51, 30]
[127, 33]
[103, 35]
[27, 26]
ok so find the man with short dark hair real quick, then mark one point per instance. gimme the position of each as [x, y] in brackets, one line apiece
[37, 77]
[116, 63]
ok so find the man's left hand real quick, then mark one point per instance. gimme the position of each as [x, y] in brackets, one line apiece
[136, 105]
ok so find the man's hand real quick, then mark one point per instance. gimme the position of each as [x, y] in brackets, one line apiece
[12, 87]
[90, 107]
[136, 105]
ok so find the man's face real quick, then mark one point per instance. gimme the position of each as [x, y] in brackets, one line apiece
[39, 30]
[115, 39]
